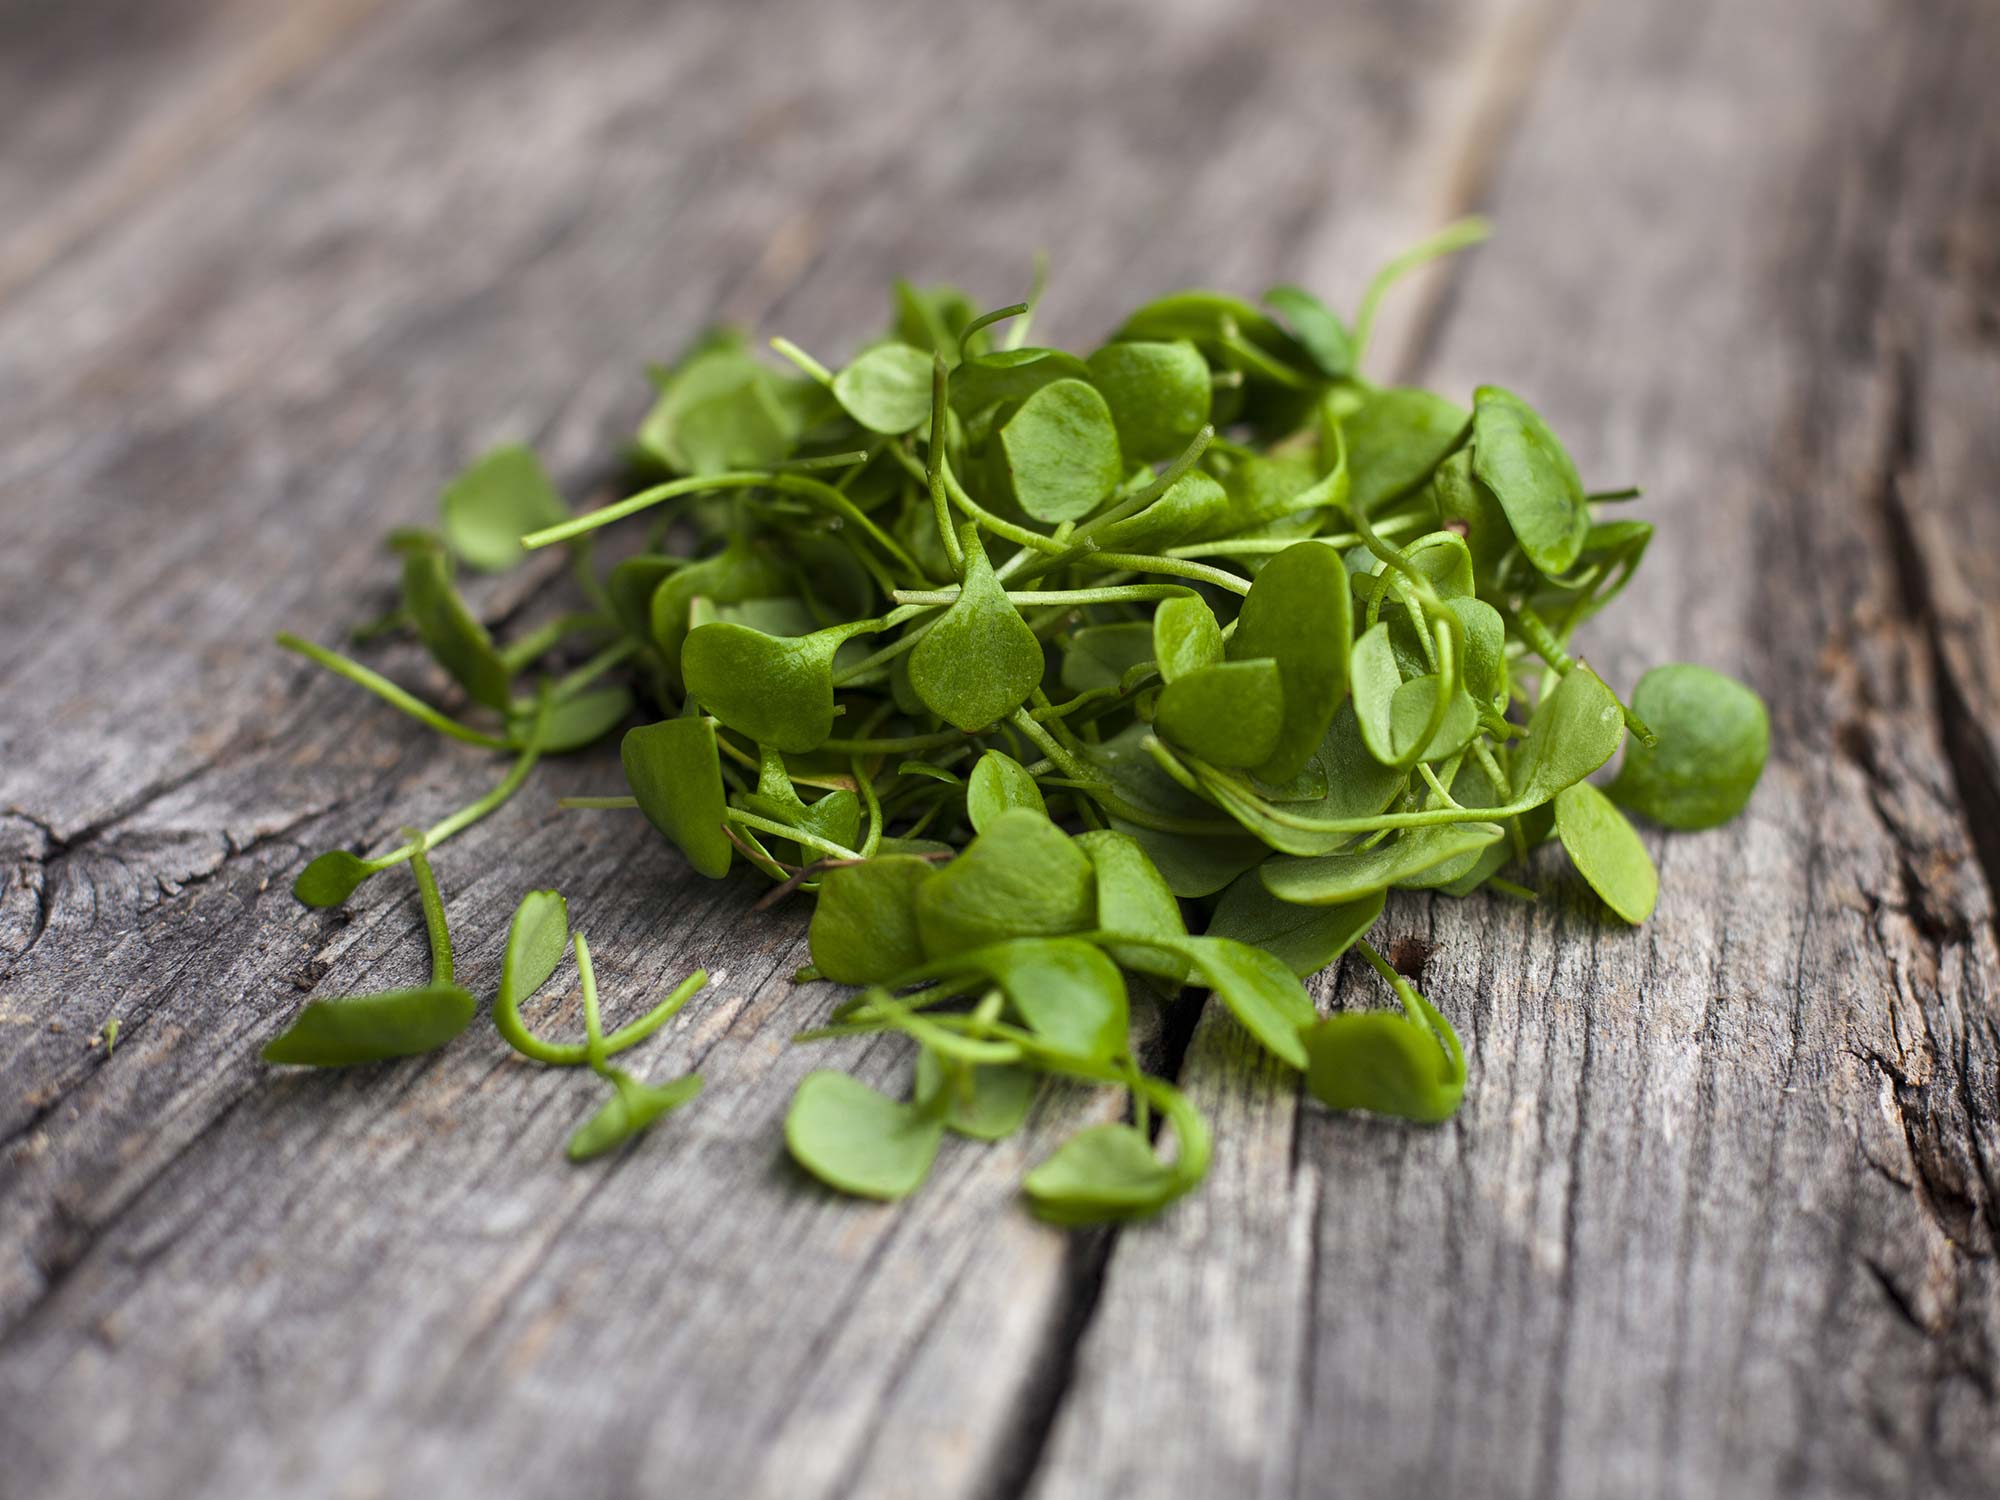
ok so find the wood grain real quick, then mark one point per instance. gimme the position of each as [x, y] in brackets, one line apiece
[1719, 1215]
[475, 222]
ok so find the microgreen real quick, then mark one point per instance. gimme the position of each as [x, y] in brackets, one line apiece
[1714, 736]
[394, 1023]
[1019, 665]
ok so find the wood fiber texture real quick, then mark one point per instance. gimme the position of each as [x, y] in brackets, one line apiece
[1721, 1212]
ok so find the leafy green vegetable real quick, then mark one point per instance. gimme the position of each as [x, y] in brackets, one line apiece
[1714, 736]
[1607, 852]
[485, 511]
[998, 655]
[856, 1140]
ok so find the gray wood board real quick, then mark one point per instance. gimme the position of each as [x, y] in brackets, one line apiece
[1719, 1210]
[1718, 1215]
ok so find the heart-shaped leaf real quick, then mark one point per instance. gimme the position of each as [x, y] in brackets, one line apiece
[1021, 877]
[887, 389]
[1060, 452]
[1299, 613]
[776, 689]
[1713, 739]
[864, 924]
[858, 1141]
[980, 661]
[997, 783]
[1158, 394]
[499, 498]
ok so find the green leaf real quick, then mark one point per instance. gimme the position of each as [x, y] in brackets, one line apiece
[776, 689]
[1064, 990]
[1231, 714]
[1305, 938]
[1185, 637]
[1607, 850]
[675, 771]
[331, 878]
[1060, 450]
[631, 1108]
[1260, 990]
[1009, 375]
[1103, 1172]
[1317, 327]
[1021, 877]
[1195, 864]
[536, 939]
[980, 661]
[1188, 507]
[1714, 737]
[499, 498]
[1300, 613]
[718, 410]
[575, 722]
[887, 389]
[1388, 1063]
[856, 1140]
[1099, 656]
[1572, 732]
[1329, 879]
[985, 1103]
[1394, 440]
[864, 924]
[1158, 393]
[373, 1028]
[1516, 457]
[1135, 901]
[997, 783]
[450, 631]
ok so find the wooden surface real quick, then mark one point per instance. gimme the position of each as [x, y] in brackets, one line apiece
[1720, 1213]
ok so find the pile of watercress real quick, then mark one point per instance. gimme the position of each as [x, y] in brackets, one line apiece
[1053, 678]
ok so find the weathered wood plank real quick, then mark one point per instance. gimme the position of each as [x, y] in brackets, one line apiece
[1719, 1215]
[102, 103]
[475, 223]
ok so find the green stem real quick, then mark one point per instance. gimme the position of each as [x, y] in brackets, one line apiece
[934, 464]
[1535, 631]
[779, 830]
[803, 360]
[434, 924]
[388, 692]
[1132, 562]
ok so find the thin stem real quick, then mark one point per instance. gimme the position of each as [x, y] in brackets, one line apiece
[593, 1047]
[1405, 991]
[825, 461]
[872, 806]
[1535, 631]
[434, 924]
[934, 466]
[388, 692]
[779, 830]
[985, 320]
[597, 804]
[1456, 236]
[1132, 562]
[803, 360]
[1130, 593]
